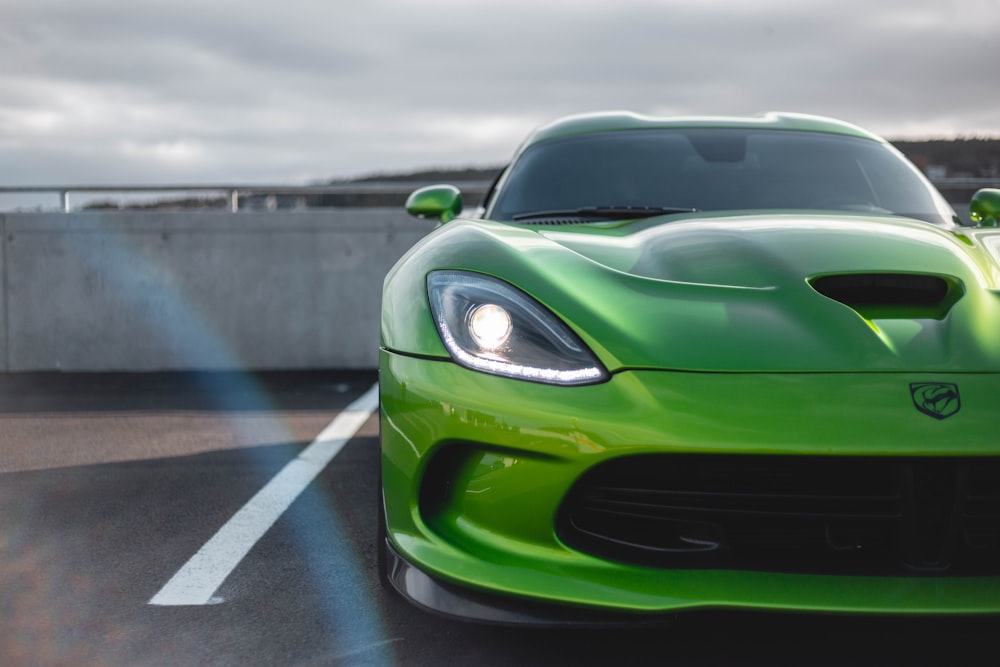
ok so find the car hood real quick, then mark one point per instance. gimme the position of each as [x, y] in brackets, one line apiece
[757, 293]
[771, 252]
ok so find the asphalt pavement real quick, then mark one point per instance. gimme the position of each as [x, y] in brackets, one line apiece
[111, 483]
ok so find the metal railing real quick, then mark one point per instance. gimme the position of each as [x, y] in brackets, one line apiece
[235, 193]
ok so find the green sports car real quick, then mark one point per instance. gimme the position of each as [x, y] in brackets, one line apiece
[690, 363]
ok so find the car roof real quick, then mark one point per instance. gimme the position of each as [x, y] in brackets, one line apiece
[610, 121]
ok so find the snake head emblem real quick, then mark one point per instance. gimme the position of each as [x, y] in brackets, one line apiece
[937, 399]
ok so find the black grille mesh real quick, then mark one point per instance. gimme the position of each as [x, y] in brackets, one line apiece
[850, 515]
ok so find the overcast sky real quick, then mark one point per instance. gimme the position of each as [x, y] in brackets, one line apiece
[297, 91]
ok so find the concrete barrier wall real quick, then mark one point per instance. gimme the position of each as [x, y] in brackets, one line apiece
[122, 291]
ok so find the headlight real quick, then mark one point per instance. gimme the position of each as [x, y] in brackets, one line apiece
[490, 326]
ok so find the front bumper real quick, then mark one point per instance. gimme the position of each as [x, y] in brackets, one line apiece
[475, 469]
[471, 604]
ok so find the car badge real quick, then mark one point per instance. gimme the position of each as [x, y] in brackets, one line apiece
[937, 399]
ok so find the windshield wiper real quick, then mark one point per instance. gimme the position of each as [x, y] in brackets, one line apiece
[607, 212]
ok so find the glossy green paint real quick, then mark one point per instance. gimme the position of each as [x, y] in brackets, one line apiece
[439, 202]
[512, 449]
[985, 207]
[716, 342]
[669, 293]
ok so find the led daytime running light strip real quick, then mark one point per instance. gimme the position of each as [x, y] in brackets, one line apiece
[497, 367]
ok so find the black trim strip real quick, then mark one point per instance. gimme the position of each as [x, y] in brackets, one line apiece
[467, 604]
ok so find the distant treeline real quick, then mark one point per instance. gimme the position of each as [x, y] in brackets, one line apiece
[960, 158]
[443, 175]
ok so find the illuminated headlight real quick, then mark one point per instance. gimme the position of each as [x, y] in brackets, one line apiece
[491, 326]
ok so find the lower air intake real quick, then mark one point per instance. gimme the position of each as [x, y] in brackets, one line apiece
[829, 515]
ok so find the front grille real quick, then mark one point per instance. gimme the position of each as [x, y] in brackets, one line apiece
[837, 515]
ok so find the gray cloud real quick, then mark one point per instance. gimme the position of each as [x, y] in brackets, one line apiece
[302, 90]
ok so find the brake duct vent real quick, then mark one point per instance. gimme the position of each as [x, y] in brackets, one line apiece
[892, 295]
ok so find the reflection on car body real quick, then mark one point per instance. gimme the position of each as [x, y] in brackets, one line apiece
[694, 363]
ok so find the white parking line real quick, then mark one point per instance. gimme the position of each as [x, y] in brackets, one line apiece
[196, 582]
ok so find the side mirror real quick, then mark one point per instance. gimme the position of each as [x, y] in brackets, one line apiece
[443, 202]
[985, 207]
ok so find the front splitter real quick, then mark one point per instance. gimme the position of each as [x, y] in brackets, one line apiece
[467, 604]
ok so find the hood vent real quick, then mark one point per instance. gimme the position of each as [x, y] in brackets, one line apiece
[892, 295]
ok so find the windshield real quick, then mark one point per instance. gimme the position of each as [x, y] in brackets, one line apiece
[716, 170]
